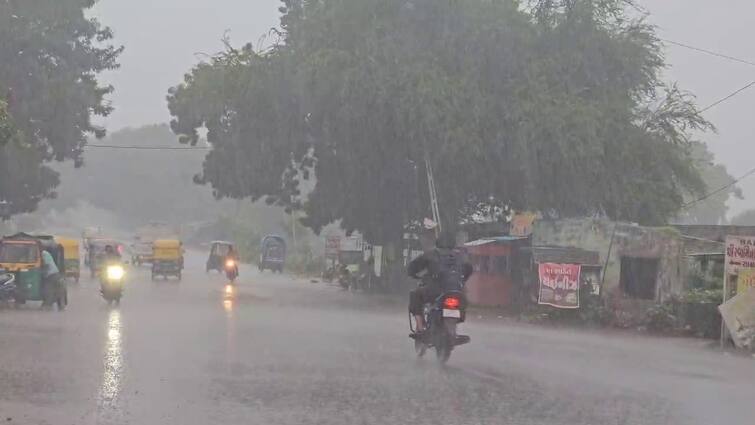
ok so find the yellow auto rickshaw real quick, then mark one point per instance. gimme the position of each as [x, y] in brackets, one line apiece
[72, 260]
[167, 258]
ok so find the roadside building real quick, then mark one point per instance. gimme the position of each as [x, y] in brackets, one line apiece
[496, 280]
[639, 266]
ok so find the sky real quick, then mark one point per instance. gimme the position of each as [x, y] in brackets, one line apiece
[164, 38]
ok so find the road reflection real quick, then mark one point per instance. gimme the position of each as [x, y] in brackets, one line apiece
[228, 306]
[113, 365]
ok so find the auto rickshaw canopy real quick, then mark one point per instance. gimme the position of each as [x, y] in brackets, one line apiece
[167, 249]
[70, 247]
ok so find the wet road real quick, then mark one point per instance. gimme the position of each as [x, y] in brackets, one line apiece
[288, 351]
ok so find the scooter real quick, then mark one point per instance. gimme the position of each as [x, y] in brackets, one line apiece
[111, 283]
[231, 270]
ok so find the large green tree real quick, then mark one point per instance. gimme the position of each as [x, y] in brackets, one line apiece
[555, 107]
[50, 55]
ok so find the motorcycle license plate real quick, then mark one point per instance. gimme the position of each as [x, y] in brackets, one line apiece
[452, 313]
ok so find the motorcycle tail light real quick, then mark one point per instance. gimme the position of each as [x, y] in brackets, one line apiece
[451, 303]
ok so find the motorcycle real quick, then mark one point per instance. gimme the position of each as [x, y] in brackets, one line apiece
[111, 283]
[231, 270]
[7, 287]
[442, 318]
[345, 278]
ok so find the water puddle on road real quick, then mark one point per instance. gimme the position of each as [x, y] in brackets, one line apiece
[109, 408]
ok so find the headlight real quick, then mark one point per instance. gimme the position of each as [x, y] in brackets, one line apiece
[115, 272]
[230, 264]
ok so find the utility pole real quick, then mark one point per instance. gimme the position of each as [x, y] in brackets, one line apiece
[433, 195]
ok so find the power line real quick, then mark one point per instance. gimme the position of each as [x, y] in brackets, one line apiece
[148, 148]
[724, 99]
[720, 189]
[709, 52]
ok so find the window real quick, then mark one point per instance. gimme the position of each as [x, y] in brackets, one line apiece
[18, 253]
[638, 277]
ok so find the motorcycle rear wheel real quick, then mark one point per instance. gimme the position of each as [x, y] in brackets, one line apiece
[420, 348]
[445, 340]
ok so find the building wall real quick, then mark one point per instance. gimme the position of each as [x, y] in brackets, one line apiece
[630, 240]
[490, 285]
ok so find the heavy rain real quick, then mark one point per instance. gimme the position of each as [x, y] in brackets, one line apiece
[377, 212]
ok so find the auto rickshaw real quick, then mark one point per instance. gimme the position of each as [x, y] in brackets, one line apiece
[141, 252]
[167, 258]
[272, 253]
[218, 254]
[72, 260]
[21, 255]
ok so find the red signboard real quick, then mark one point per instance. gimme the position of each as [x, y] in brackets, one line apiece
[559, 285]
[740, 253]
[332, 245]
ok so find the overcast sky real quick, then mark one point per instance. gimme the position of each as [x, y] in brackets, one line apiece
[163, 37]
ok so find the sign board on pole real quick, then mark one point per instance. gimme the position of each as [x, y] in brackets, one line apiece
[559, 285]
[740, 253]
[521, 224]
[332, 245]
[351, 243]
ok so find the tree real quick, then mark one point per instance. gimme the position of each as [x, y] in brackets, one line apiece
[557, 108]
[50, 55]
[745, 218]
[712, 208]
[139, 186]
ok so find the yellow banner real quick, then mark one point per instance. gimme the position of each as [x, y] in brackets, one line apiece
[745, 280]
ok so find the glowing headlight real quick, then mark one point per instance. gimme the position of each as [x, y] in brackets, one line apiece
[115, 272]
[230, 263]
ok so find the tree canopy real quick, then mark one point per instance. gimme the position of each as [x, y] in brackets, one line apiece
[50, 55]
[556, 107]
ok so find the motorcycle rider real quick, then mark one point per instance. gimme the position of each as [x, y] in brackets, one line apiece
[232, 255]
[111, 255]
[435, 269]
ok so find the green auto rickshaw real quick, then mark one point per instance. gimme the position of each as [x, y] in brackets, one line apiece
[21, 255]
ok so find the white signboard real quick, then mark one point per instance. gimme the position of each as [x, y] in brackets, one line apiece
[740, 253]
[351, 243]
[739, 316]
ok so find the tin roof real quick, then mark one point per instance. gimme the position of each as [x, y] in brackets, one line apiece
[564, 255]
[495, 239]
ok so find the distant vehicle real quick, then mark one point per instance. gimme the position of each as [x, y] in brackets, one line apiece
[71, 254]
[231, 270]
[272, 253]
[95, 248]
[141, 252]
[219, 251]
[167, 258]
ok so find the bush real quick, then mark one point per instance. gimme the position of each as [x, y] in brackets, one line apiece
[698, 312]
[660, 318]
